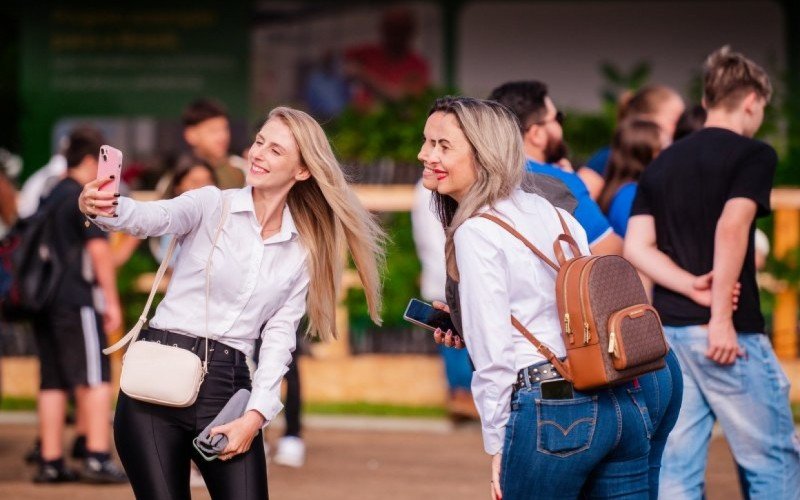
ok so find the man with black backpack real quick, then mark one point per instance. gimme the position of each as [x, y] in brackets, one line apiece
[70, 329]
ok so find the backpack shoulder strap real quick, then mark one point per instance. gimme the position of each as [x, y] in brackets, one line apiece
[561, 367]
[500, 222]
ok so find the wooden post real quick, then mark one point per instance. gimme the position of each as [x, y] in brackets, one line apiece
[787, 237]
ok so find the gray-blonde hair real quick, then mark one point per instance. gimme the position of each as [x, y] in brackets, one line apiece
[499, 160]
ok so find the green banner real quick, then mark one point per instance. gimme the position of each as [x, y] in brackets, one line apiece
[126, 59]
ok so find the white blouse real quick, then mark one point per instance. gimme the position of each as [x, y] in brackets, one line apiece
[500, 276]
[258, 287]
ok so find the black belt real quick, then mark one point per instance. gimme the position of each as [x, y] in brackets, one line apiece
[532, 375]
[217, 351]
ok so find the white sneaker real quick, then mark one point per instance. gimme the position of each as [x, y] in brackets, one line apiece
[291, 452]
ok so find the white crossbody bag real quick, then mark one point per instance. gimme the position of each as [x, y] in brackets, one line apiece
[159, 373]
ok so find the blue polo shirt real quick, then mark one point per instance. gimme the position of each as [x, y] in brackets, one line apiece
[587, 213]
[619, 211]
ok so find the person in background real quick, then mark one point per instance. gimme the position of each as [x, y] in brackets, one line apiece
[635, 144]
[656, 103]
[694, 215]
[692, 120]
[8, 200]
[429, 240]
[206, 129]
[542, 138]
[70, 335]
[390, 70]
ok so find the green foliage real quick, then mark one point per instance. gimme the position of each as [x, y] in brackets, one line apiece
[390, 130]
[400, 279]
[786, 268]
[618, 80]
[373, 409]
[587, 132]
[133, 301]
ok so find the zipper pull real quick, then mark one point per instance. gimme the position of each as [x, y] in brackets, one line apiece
[568, 329]
[586, 335]
[612, 343]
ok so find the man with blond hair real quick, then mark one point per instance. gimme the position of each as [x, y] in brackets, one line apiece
[695, 213]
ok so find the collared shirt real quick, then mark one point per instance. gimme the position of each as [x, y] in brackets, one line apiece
[587, 212]
[429, 239]
[258, 287]
[500, 276]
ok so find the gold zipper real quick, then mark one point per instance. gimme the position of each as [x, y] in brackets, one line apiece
[567, 327]
[586, 335]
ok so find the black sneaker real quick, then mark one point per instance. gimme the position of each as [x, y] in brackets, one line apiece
[102, 471]
[50, 473]
[34, 455]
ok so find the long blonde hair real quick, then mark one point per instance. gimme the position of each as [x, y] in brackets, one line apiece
[328, 215]
[493, 134]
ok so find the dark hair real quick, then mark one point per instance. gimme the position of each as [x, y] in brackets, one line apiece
[201, 110]
[526, 99]
[635, 144]
[691, 120]
[83, 141]
[185, 165]
[728, 76]
[644, 101]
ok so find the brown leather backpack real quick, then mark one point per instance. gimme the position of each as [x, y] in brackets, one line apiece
[611, 332]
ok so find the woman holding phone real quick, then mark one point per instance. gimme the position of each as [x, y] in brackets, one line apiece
[278, 257]
[558, 445]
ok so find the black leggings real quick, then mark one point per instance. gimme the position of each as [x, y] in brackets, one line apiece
[154, 443]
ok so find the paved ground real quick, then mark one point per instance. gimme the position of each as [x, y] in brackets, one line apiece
[404, 462]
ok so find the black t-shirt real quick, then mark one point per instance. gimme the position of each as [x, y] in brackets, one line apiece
[70, 240]
[685, 190]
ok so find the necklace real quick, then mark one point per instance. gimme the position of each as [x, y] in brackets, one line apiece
[267, 229]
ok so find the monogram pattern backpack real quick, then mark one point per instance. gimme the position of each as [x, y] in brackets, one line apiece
[611, 332]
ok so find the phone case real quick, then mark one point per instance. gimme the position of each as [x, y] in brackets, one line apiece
[109, 163]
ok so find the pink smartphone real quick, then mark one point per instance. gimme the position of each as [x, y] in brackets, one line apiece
[109, 163]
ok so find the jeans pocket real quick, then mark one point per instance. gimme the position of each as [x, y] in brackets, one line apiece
[717, 378]
[565, 426]
[639, 401]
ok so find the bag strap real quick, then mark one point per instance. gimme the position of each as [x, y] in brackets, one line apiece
[505, 225]
[222, 218]
[562, 368]
[133, 334]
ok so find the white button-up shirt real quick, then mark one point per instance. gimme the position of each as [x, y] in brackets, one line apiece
[429, 239]
[500, 276]
[258, 287]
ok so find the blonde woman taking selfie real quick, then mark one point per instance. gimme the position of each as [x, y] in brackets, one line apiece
[278, 256]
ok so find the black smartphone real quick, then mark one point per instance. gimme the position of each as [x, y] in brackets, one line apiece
[557, 389]
[423, 314]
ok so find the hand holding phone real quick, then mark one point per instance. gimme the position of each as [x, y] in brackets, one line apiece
[425, 315]
[109, 163]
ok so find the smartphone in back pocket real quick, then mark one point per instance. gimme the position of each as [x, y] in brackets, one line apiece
[423, 314]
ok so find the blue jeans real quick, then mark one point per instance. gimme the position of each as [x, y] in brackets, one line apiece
[457, 368]
[594, 445]
[663, 391]
[750, 399]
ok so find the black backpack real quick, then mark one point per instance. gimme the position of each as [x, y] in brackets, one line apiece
[30, 267]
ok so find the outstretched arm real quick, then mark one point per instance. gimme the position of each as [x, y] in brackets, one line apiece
[112, 212]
